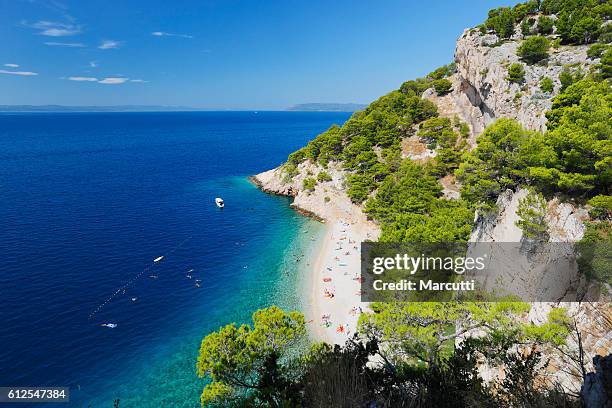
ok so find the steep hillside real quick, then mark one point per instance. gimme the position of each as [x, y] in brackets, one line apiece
[483, 64]
[511, 142]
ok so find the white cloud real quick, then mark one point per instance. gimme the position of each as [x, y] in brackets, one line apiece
[11, 65]
[142, 81]
[54, 29]
[109, 44]
[113, 80]
[82, 79]
[22, 73]
[165, 34]
[61, 44]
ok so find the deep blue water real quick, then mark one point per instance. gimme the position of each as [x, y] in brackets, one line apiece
[88, 200]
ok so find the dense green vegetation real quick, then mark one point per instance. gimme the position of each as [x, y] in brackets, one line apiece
[244, 363]
[532, 216]
[418, 365]
[533, 49]
[501, 20]
[578, 21]
[595, 248]
[368, 145]
[601, 207]
[545, 25]
[597, 50]
[574, 156]
[410, 208]
[442, 86]
[606, 64]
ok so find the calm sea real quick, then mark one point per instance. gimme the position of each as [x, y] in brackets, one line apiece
[88, 200]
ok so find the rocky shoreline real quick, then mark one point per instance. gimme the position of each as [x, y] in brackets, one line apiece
[332, 318]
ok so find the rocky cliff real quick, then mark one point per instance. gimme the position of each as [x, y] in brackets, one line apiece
[482, 65]
[327, 201]
[592, 321]
[481, 94]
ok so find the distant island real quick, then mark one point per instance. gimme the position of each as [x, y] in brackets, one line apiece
[115, 108]
[327, 107]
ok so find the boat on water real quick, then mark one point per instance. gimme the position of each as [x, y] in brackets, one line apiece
[219, 202]
[159, 258]
[109, 325]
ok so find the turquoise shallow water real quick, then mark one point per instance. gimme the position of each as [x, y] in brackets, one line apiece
[273, 276]
[89, 200]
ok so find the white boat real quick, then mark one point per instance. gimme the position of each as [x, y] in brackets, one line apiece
[109, 325]
[159, 258]
[219, 202]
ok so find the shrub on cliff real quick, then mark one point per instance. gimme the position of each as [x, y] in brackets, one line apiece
[578, 22]
[532, 216]
[516, 73]
[501, 20]
[606, 64]
[437, 131]
[545, 25]
[494, 165]
[596, 50]
[533, 49]
[595, 248]
[605, 34]
[442, 86]
[309, 183]
[323, 176]
[578, 26]
[415, 87]
[525, 27]
[522, 10]
[546, 85]
[602, 206]
[442, 72]
[566, 77]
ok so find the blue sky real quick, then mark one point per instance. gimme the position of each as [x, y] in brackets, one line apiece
[223, 54]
